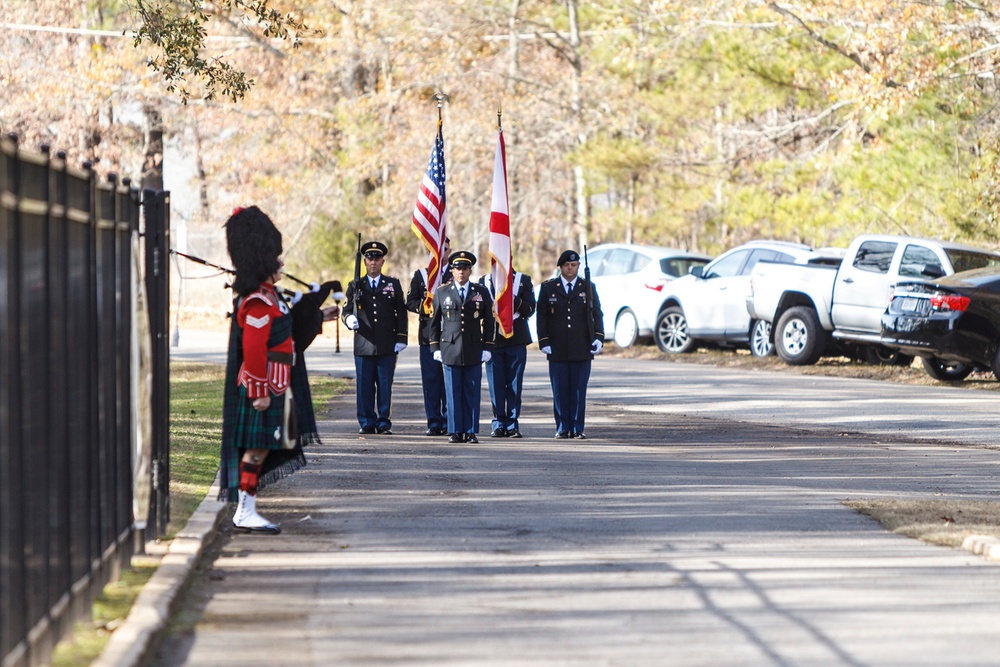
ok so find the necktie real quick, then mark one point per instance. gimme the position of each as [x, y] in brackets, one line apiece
[569, 287]
[461, 293]
[374, 282]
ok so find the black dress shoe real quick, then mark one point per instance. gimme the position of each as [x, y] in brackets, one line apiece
[579, 436]
[441, 430]
[499, 433]
[456, 438]
[471, 437]
[514, 434]
[366, 430]
[431, 431]
[383, 430]
[562, 435]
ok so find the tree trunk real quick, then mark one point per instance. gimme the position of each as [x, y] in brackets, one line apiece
[152, 164]
[513, 48]
[582, 221]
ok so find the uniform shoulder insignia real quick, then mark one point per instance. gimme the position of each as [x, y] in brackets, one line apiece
[260, 295]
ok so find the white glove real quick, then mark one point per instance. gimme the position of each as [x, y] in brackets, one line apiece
[437, 355]
[517, 315]
[352, 322]
[399, 347]
[547, 349]
[313, 287]
[296, 297]
[596, 346]
[487, 356]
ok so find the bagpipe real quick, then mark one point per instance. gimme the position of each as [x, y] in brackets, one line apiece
[306, 306]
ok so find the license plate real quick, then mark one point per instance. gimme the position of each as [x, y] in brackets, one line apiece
[910, 304]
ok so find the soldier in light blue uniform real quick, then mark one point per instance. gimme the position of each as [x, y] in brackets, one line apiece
[431, 372]
[505, 370]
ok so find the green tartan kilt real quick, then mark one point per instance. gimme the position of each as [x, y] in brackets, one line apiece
[255, 429]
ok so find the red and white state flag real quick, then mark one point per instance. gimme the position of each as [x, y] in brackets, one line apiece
[500, 251]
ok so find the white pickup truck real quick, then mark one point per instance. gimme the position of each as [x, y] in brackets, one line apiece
[809, 304]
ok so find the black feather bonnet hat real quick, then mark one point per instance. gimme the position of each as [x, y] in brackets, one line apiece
[254, 245]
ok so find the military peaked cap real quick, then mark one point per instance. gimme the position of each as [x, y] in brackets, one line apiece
[463, 259]
[374, 250]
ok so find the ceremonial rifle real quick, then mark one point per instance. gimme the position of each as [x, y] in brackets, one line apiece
[357, 275]
[590, 297]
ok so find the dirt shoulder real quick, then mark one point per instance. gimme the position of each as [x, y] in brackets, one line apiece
[828, 366]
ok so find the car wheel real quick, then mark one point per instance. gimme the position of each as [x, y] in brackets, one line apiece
[800, 340]
[626, 328]
[880, 355]
[946, 371]
[671, 332]
[760, 335]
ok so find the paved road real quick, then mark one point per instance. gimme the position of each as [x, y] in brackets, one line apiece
[695, 527]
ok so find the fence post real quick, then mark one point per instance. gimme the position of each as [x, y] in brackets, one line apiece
[157, 216]
[13, 621]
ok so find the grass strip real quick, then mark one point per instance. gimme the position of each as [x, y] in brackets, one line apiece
[944, 522]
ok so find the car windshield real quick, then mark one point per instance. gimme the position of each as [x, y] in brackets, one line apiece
[680, 266]
[964, 260]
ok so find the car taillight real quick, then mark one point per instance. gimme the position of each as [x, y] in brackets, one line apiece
[954, 302]
[658, 285]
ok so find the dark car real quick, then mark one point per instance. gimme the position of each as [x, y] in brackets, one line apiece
[951, 323]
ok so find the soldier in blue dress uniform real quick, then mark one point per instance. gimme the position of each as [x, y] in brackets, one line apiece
[431, 372]
[505, 369]
[376, 312]
[462, 329]
[570, 332]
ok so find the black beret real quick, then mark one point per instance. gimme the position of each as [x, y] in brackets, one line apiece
[374, 249]
[463, 259]
[568, 256]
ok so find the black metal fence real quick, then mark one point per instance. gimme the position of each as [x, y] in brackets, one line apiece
[67, 435]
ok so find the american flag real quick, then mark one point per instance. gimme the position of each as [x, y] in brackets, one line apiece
[429, 216]
[501, 259]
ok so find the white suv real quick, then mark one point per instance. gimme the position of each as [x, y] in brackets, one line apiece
[709, 304]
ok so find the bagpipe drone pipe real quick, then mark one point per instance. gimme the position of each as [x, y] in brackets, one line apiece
[306, 306]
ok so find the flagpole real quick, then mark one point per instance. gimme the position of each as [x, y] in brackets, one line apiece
[441, 99]
[428, 221]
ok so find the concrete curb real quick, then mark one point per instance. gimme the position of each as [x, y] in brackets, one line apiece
[132, 642]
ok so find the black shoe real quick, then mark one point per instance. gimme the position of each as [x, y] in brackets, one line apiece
[383, 430]
[499, 433]
[514, 434]
[579, 436]
[456, 438]
[562, 435]
[441, 430]
[471, 437]
[366, 430]
[431, 431]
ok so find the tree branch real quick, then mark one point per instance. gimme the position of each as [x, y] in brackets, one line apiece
[833, 46]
